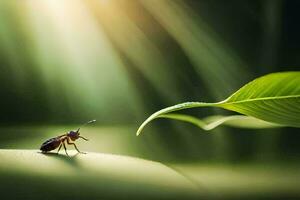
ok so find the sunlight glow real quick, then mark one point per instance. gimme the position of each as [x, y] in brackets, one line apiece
[72, 51]
[136, 46]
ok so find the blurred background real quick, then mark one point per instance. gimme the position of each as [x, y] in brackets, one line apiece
[63, 63]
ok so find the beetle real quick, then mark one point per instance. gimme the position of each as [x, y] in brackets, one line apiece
[59, 141]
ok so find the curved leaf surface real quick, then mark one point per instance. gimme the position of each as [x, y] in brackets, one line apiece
[29, 174]
[211, 122]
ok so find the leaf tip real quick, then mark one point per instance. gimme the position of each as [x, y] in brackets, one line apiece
[138, 132]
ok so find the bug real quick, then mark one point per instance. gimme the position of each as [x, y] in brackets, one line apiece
[59, 141]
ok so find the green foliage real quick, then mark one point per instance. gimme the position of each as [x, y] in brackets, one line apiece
[273, 98]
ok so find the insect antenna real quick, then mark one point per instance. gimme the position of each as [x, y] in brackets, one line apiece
[92, 121]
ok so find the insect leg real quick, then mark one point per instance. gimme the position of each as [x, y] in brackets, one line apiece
[59, 148]
[71, 143]
[84, 138]
[65, 147]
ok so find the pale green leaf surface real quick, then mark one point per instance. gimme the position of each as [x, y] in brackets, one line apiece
[273, 98]
[34, 175]
[28, 174]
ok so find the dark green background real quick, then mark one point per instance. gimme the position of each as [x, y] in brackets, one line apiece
[57, 72]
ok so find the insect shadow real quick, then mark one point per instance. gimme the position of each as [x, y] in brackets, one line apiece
[71, 160]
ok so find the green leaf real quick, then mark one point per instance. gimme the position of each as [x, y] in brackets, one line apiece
[211, 122]
[274, 98]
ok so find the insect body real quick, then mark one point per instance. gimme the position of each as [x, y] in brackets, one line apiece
[59, 141]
